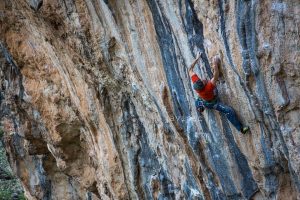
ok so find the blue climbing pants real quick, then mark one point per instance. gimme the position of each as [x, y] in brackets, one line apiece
[217, 105]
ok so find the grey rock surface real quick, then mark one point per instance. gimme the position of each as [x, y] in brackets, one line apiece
[96, 102]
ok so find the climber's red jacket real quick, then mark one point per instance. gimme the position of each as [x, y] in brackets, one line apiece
[207, 93]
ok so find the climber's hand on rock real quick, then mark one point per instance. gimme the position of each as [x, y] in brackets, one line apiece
[191, 68]
[216, 62]
[198, 55]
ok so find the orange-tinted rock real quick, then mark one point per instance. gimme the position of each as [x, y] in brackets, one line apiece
[96, 102]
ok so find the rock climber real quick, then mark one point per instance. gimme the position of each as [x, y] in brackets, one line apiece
[207, 97]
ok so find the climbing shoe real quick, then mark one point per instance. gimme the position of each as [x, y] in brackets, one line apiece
[245, 129]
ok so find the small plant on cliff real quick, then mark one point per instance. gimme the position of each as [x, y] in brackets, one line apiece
[5, 195]
[10, 188]
[8, 194]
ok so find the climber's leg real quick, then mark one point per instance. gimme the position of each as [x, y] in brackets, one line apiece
[199, 105]
[230, 114]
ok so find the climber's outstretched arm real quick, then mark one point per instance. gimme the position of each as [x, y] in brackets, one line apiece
[216, 65]
[191, 68]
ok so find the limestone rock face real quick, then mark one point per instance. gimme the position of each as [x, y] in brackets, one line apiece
[96, 102]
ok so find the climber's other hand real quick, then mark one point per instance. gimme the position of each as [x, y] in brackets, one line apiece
[198, 55]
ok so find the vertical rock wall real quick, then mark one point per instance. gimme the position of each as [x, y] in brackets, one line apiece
[96, 102]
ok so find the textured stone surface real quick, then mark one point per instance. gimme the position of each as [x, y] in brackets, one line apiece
[96, 102]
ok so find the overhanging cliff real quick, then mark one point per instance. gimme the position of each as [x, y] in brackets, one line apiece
[96, 102]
